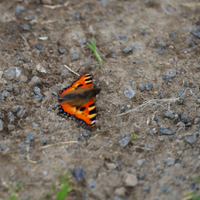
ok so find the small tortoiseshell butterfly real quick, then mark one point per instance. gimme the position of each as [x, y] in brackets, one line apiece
[78, 101]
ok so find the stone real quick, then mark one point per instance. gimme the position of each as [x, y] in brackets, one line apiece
[129, 93]
[75, 56]
[61, 50]
[49, 2]
[141, 87]
[36, 90]
[111, 166]
[30, 137]
[1, 125]
[191, 139]
[197, 33]
[171, 73]
[92, 184]
[26, 27]
[16, 90]
[185, 118]
[166, 131]
[172, 35]
[128, 49]
[75, 16]
[78, 172]
[9, 74]
[38, 97]
[39, 47]
[11, 127]
[160, 51]
[169, 114]
[86, 133]
[120, 191]
[124, 141]
[19, 9]
[148, 86]
[130, 180]
[141, 176]
[82, 41]
[11, 117]
[122, 37]
[169, 161]
[198, 101]
[1, 96]
[35, 80]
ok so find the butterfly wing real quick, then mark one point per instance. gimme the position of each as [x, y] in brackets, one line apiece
[86, 114]
[83, 82]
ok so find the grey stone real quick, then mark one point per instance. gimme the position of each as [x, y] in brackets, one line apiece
[35, 80]
[38, 97]
[39, 47]
[9, 74]
[166, 131]
[142, 176]
[130, 180]
[128, 49]
[92, 184]
[188, 124]
[141, 87]
[11, 127]
[171, 73]
[124, 141]
[148, 86]
[21, 112]
[185, 118]
[122, 37]
[120, 191]
[62, 50]
[1, 96]
[143, 32]
[11, 117]
[149, 133]
[75, 16]
[169, 115]
[196, 120]
[158, 167]
[30, 137]
[111, 166]
[19, 9]
[82, 41]
[191, 139]
[6, 93]
[196, 134]
[86, 133]
[22, 147]
[2, 147]
[1, 125]
[160, 51]
[78, 172]
[164, 188]
[75, 56]
[197, 33]
[181, 94]
[36, 90]
[169, 161]
[10, 88]
[146, 188]
[26, 27]
[198, 101]
[129, 93]
[172, 35]
[16, 90]
[34, 125]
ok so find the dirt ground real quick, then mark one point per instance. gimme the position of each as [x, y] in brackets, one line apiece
[146, 144]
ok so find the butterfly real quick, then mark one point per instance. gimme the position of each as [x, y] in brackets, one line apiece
[78, 101]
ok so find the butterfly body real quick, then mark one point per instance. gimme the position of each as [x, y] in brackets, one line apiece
[78, 101]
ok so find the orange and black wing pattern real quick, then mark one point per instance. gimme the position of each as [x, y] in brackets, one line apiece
[84, 112]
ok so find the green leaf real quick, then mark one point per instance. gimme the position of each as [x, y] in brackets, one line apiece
[19, 186]
[133, 136]
[55, 168]
[194, 196]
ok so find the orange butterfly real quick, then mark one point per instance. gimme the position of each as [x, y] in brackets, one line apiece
[78, 101]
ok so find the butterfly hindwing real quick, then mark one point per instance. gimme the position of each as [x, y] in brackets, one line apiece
[87, 114]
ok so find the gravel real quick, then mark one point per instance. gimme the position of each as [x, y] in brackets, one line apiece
[75, 16]
[124, 141]
[19, 9]
[160, 51]
[169, 161]
[171, 73]
[141, 87]
[26, 27]
[78, 172]
[130, 180]
[129, 93]
[169, 115]
[148, 86]
[197, 33]
[166, 131]
[75, 56]
[36, 90]
[9, 74]
[122, 37]
[191, 139]
[1, 96]
[86, 133]
[128, 49]
[1, 125]
[30, 137]
[61, 50]
[39, 47]
[11, 117]
[92, 184]
[172, 35]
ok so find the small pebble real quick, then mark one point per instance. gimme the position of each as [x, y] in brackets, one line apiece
[1, 125]
[36, 90]
[86, 133]
[6, 93]
[61, 50]
[35, 80]
[191, 139]
[39, 47]
[1, 96]
[129, 93]
[122, 37]
[75, 16]
[148, 86]
[197, 33]
[149, 133]
[146, 188]
[171, 73]
[128, 49]
[172, 35]
[82, 40]
[30, 137]
[92, 184]
[142, 176]
[143, 32]
[75, 56]
[169, 114]
[120, 191]
[16, 90]
[26, 27]
[166, 131]
[141, 87]
[124, 141]
[11, 117]
[11, 127]
[10, 88]
[169, 161]
[160, 51]
[78, 172]
[38, 97]
[130, 180]
[9, 74]
[198, 101]
[19, 9]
